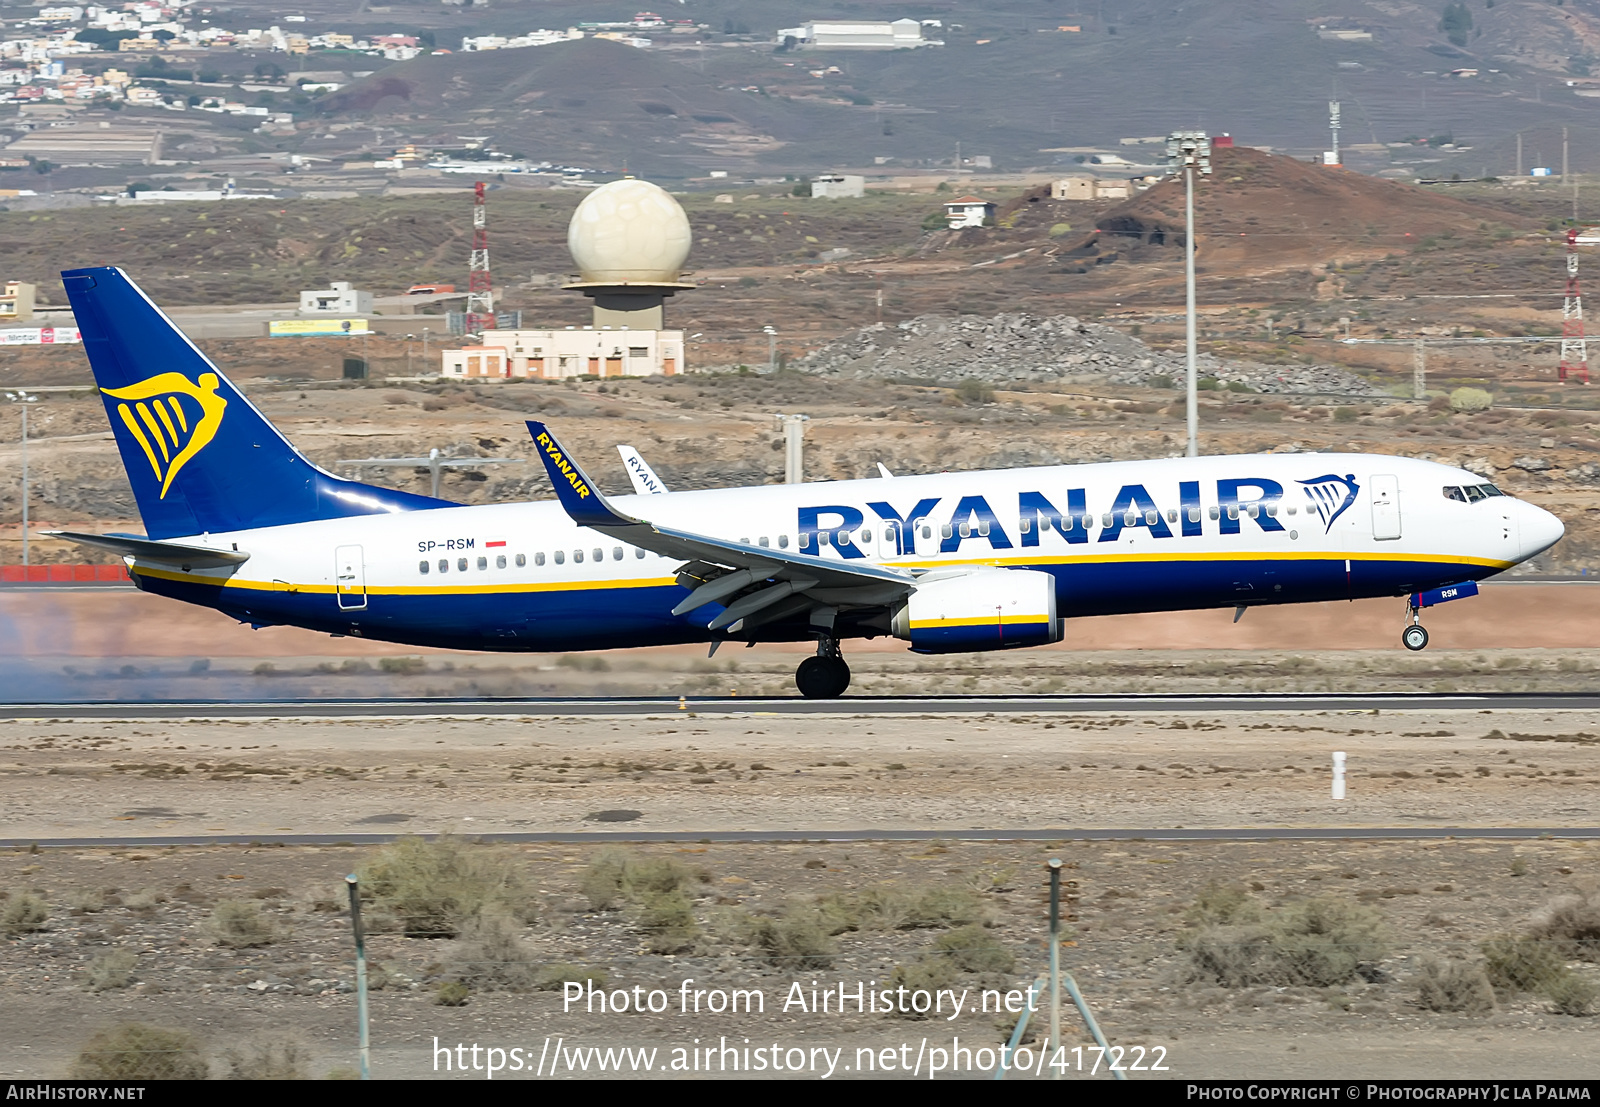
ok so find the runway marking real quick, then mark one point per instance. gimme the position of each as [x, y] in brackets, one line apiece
[969, 834]
[796, 705]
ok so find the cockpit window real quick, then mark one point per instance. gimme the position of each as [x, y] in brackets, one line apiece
[1471, 493]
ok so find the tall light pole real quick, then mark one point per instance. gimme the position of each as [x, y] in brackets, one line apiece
[1188, 151]
[409, 339]
[772, 347]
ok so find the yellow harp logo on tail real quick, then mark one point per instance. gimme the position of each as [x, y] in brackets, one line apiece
[171, 418]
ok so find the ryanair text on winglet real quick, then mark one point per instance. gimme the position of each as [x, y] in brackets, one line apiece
[566, 470]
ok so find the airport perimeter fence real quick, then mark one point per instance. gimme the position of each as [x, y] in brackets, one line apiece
[639, 962]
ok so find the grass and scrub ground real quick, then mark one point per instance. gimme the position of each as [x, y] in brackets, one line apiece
[1458, 958]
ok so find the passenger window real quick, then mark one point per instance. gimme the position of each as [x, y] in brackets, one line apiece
[1453, 493]
[764, 541]
[483, 563]
[843, 538]
[965, 530]
[461, 564]
[1233, 511]
[1025, 526]
[616, 553]
[561, 557]
[1172, 515]
[638, 553]
[1151, 518]
[577, 557]
[1105, 520]
[1474, 493]
[422, 567]
[927, 532]
[1194, 514]
[983, 528]
[522, 559]
[1272, 511]
[1254, 510]
[1214, 511]
[444, 566]
[1289, 510]
[824, 537]
[783, 541]
[500, 562]
[866, 538]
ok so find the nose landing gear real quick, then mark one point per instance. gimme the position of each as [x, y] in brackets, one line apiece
[1415, 636]
[825, 676]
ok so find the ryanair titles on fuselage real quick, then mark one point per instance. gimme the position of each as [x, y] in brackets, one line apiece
[973, 517]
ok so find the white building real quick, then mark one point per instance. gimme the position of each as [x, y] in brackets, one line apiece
[859, 34]
[340, 299]
[1088, 188]
[969, 211]
[569, 352]
[836, 186]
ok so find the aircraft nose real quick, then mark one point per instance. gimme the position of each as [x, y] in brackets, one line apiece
[1538, 529]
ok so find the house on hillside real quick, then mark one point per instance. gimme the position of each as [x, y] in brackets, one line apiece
[969, 211]
[838, 185]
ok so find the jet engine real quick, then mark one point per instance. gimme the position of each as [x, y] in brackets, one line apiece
[987, 609]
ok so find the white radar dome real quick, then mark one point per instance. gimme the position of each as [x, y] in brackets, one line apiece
[629, 231]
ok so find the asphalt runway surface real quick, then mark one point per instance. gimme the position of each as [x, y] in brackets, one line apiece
[1171, 834]
[796, 705]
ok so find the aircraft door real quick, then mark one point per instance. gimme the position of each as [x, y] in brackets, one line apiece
[350, 578]
[923, 538]
[1385, 508]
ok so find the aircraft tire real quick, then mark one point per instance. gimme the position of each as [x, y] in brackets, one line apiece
[822, 678]
[1414, 637]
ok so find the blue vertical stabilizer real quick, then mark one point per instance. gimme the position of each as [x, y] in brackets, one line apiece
[200, 457]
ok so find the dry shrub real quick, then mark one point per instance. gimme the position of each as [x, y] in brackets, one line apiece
[1471, 400]
[86, 901]
[451, 993]
[1572, 923]
[239, 924]
[1573, 995]
[273, 1058]
[974, 949]
[1521, 964]
[490, 954]
[1318, 942]
[616, 876]
[137, 1051]
[554, 977]
[434, 887]
[668, 922]
[800, 938]
[23, 913]
[927, 974]
[893, 908]
[110, 970]
[1454, 986]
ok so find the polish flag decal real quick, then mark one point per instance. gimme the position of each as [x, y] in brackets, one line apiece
[492, 543]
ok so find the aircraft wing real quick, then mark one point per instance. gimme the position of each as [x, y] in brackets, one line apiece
[161, 553]
[645, 481]
[766, 581]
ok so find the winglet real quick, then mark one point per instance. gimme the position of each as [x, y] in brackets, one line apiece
[585, 503]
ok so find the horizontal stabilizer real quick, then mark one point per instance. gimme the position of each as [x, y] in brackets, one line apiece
[165, 553]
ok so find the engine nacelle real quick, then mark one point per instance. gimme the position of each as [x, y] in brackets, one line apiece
[987, 609]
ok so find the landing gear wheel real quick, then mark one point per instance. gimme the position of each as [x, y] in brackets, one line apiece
[1415, 637]
[822, 677]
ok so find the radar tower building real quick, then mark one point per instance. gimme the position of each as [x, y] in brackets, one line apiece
[629, 240]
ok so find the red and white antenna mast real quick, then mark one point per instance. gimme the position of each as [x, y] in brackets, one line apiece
[480, 286]
[1574, 349]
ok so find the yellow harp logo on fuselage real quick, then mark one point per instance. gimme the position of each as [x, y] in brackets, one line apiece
[171, 418]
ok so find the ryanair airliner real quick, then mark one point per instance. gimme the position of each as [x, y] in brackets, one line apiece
[237, 519]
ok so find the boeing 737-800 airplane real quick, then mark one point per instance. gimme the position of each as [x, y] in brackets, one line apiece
[238, 520]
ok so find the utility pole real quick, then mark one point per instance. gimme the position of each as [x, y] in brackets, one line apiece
[1333, 126]
[1190, 150]
[1519, 153]
[772, 347]
[793, 443]
[25, 481]
[1563, 155]
[1419, 370]
[1574, 349]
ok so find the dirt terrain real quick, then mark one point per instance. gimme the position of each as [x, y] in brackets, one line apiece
[1128, 908]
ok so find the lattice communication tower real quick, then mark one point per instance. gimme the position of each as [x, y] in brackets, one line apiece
[1574, 349]
[480, 285]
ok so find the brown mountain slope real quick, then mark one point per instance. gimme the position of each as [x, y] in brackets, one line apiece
[1259, 212]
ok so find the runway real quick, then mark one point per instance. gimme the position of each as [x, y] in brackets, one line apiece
[1170, 834]
[796, 705]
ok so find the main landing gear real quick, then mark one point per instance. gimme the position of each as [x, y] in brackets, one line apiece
[1415, 636]
[825, 676]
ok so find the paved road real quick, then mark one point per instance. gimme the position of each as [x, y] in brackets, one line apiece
[1172, 834]
[786, 705]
